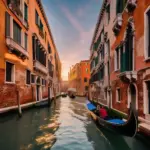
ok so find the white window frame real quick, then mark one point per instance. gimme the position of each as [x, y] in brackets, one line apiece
[117, 69]
[146, 32]
[117, 96]
[12, 74]
[145, 97]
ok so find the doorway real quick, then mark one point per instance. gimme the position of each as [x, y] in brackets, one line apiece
[132, 96]
[38, 89]
[148, 95]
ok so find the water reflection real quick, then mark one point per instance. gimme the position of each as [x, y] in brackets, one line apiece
[64, 126]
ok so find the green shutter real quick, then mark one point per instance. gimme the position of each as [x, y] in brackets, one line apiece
[7, 24]
[26, 41]
[36, 17]
[25, 12]
[16, 33]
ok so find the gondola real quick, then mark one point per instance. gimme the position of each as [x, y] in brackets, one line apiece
[64, 94]
[128, 128]
[72, 96]
[72, 93]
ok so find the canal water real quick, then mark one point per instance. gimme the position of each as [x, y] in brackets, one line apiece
[64, 126]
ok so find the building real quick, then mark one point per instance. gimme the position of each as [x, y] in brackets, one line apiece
[122, 30]
[64, 86]
[79, 76]
[28, 55]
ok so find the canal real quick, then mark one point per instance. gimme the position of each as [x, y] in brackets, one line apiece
[64, 126]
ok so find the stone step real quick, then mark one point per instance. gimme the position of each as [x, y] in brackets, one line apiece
[147, 117]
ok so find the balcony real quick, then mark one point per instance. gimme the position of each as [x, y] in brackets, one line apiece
[38, 66]
[131, 5]
[128, 76]
[14, 5]
[16, 49]
[117, 24]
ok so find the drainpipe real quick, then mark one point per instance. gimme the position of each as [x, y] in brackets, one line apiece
[49, 101]
[18, 102]
[109, 85]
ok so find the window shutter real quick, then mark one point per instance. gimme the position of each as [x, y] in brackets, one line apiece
[7, 24]
[25, 12]
[26, 41]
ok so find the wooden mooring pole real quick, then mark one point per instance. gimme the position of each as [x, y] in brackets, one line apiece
[19, 106]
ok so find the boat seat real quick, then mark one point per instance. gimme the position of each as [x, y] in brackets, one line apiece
[116, 121]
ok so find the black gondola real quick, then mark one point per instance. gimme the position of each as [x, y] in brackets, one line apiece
[64, 94]
[129, 128]
[72, 96]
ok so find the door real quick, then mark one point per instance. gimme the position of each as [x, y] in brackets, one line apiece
[37, 92]
[148, 94]
[133, 96]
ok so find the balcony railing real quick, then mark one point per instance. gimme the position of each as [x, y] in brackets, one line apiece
[128, 76]
[117, 24]
[38, 66]
[17, 49]
[131, 5]
[14, 5]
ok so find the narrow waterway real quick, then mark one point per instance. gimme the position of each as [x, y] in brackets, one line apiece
[64, 126]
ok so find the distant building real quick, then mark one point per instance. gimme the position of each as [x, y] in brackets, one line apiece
[64, 86]
[29, 61]
[79, 76]
[120, 52]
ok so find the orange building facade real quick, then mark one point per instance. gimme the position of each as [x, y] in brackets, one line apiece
[29, 61]
[122, 33]
[79, 76]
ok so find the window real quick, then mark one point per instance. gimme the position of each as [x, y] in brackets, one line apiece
[117, 59]
[36, 18]
[85, 79]
[49, 48]
[147, 33]
[45, 36]
[26, 41]
[43, 82]
[16, 33]
[28, 77]
[7, 24]
[108, 13]
[118, 95]
[87, 70]
[32, 78]
[10, 72]
[40, 54]
[120, 5]
[86, 88]
[41, 26]
[25, 12]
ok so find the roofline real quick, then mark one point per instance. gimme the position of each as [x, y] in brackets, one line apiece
[98, 21]
[46, 20]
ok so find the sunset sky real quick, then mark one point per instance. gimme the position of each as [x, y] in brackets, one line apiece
[72, 23]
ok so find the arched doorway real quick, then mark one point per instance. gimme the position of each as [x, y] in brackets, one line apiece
[132, 96]
[38, 89]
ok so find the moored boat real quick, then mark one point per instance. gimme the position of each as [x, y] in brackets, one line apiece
[64, 94]
[128, 128]
[72, 92]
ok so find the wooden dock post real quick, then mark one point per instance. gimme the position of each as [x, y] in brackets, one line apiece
[18, 102]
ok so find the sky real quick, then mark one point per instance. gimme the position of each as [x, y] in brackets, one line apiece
[72, 24]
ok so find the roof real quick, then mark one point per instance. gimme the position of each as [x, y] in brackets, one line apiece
[99, 21]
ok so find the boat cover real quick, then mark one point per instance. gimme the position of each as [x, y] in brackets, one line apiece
[90, 106]
[116, 121]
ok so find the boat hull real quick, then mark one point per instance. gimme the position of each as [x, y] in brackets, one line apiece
[129, 128]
